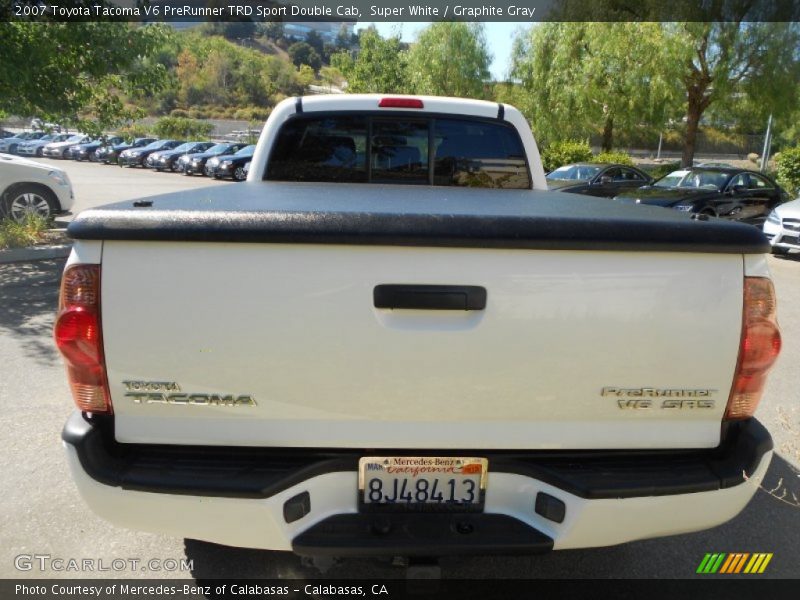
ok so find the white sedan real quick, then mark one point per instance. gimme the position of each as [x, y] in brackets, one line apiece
[782, 227]
[32, 188]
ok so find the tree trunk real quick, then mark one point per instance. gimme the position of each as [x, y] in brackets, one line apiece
[608, 134]
[693, 113]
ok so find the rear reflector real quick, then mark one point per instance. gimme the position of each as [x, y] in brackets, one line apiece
[79, 338]
[758, 350]
[400, 103]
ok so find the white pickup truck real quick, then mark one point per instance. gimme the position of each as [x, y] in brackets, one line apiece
[392, 340]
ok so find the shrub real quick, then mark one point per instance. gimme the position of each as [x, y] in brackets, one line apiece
[622, 158]
[252, 113]
[753, 157]
[182, 128]
[179, 113]
[788, 163]
[134, 130]
[564, 152]
[19, 235]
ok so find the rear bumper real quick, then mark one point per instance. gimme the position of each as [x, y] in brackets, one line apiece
[249, 497]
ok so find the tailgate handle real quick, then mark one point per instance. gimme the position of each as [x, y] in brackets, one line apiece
[430, 297]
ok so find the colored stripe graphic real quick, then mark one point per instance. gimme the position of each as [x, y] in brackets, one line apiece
[741, 562]
[730, 564]
[714, 563]
[754, 563]
[764, 564]
[703, 563]
[734, 563]
[727, 564]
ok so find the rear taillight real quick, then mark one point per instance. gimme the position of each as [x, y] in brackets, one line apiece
[400, 103]
[760, 346]
[78, 335]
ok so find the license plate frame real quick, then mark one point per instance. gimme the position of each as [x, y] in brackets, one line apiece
[443, 468]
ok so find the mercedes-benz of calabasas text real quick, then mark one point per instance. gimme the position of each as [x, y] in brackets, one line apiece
[393, 340]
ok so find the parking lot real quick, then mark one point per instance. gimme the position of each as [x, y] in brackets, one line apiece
[95, 184]
[42, 514]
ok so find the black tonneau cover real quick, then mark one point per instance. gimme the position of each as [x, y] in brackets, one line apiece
[400, 215]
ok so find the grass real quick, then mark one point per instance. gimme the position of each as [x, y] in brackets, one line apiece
[20, 235]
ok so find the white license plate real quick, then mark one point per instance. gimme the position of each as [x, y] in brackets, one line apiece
[448, 481]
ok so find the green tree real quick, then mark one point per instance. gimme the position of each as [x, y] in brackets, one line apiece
[343, 38]
[314, 39]
[79, 73]
[272, 30]
[378, 67]
[331, 76]
[305, 77]
[585, 77]
[733, 62]
[450, 59]
[788, 163]
[302, 53]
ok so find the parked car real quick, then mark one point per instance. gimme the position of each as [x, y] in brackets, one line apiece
[32, 188]
[730, 193]
[87, 151]
[604, 180]
[151, 160]
[5, 133]
[35, 147]
[109, 153]
[782, 227]
[61, 149]
[233, 166]
[40, 125]
[9, 145]
[196, 163]
[133, 157]
[168, 159]
[713, 163]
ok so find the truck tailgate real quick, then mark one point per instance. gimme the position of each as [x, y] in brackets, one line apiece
[574, 349]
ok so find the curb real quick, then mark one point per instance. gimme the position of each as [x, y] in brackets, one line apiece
[30, 254]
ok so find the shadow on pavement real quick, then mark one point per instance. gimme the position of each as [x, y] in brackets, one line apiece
[28, 303]
[768, 524]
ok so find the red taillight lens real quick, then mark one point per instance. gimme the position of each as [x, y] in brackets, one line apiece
[78, 336]
[759, 348]
[400, 103]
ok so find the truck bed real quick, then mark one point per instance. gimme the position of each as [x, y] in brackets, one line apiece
[397, 215]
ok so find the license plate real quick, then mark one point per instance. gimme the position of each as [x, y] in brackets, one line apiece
[426, 482]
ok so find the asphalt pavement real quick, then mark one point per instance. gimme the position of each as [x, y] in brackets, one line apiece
[41, 513]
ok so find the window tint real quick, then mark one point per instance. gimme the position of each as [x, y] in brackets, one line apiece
[321, 149]
[335, 148]
[574, 172]
[399, 152]
[741, 180]
[477, 154]
[759, 183]
[630, 175]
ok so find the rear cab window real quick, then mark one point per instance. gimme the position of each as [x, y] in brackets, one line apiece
[461, 152]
